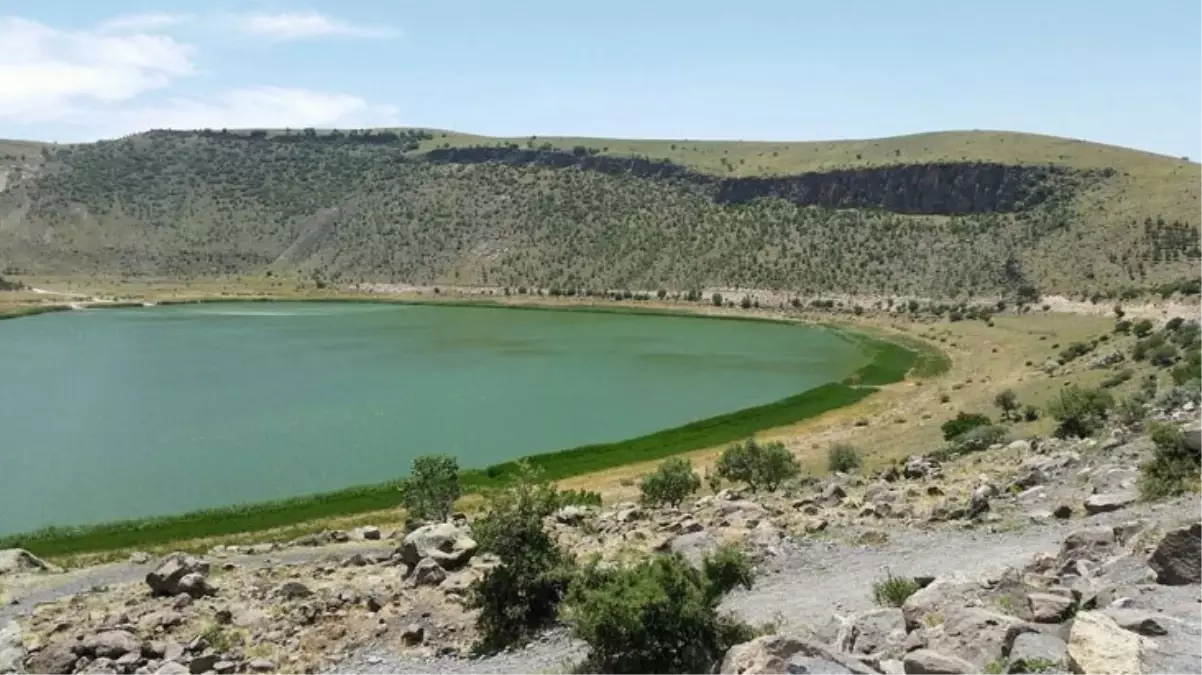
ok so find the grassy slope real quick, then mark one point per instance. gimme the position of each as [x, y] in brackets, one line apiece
[887, 363]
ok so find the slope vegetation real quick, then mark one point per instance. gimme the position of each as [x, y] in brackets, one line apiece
[945, 214]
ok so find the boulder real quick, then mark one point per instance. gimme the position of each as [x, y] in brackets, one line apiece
[936, 597]
[977, 635]
[260, 665]
[1192, 435]
[1035, 648]
[1104, 503]
[111, 644]
[369, 532]
[428, 572]
[20, 561]
[12, 649]
[1177, 555]
[203, 663]
[1096, 644]
[292, 590]
[172, 668]
[1084, 542]
[774, 653]
[442, 542]
[1138, 621]
[930, 661]
[833, 493]
[57, 657]
[414, 634]
[873, 632]
[1050, 607]
[168, 577]
[570, 515]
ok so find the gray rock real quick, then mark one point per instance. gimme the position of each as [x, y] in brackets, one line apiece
[874, 631]
[1138, 621]
[977, 635]
[929, 661]
[12, 649]
[428, 572]
[1063, 512]
[1104, 503]
[442, 542]
[1050, 608]
[369, 532]
[111, 644]
[1192, 435]
[980, 501]
[172, 668]
[414, 634]
[800, 665]
[166, 578]
[936, 597]
[225, 667]
[203, 663]
[195, 585]
[1032, 648]
[261, 665]
[833, 493]
[1086, 541]
[292, 590]
[139, 558]
[1176, 558]
[570, 515]
[774, 653]
[20, 561]
[57, 657]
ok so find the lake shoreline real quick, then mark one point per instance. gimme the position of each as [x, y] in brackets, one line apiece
[888, 362]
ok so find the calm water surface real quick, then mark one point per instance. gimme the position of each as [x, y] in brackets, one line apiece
[118, 413]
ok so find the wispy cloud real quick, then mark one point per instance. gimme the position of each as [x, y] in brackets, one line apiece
[303, 26]
[151, 22]
[257, 107]
[49, 72]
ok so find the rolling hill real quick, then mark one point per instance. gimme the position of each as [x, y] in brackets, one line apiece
[942, 214]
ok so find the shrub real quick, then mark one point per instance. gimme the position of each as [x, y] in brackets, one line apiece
[713, 481]
[892, 591]
[660, 616]
[716, 298]
[1080, 411]
[1074, 350]
[977, 439]
[521, 595]
[842, 458]
[962, 423]
[671, 482]
[431, 488]
[760, 465]
[1007, 401]
[1163, 356]
[1190, 392]
[745, 303]
[1117, 378]
[1142, 328]
[1123, 326]
[1173, 469]
[1030, 413]
[1130, 411]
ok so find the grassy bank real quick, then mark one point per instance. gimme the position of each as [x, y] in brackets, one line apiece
[887, 362]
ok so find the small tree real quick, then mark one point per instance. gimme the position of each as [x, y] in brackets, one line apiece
[522, 594]
[842, 458]
[1007, 401]
[1173, 469]
[745, 303]
[1080, 412]
[760, 465]
[1142, 328]
[671, 482]
[660, 616]
[962, 423]
[716, 298]
[431, 488]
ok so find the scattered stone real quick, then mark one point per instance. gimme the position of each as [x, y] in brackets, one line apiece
[110, 644]
[370, 532]
[172, 668]
[1049, 608]
[1137, 621]
[12, 649]
[261, 665]
[775, 653]
[139, 558]
[980, 501]
[55, 658]
[225, 667]
[873, 631]
[414, 634]
[20, 561]
[1176, 558]
[1105, 503]
[203, 663]
[1029, 648]
[1192, 436]
[929, 661]
[833, 493]
[1097, 644]
[292, 590]
[570, 515]
[442, 542]
[428, 572]
[1063, 512]
[168, 577]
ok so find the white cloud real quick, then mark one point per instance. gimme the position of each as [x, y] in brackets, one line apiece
[143, 22]
[304, 25]
[49, 73]
[258, 107]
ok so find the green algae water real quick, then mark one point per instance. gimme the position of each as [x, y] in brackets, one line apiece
[124, 413]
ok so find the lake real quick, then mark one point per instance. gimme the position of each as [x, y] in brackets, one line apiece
[118, 413]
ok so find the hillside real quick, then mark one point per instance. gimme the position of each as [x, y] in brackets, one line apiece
[942, 214]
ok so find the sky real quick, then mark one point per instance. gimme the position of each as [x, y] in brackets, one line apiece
[1126, 73]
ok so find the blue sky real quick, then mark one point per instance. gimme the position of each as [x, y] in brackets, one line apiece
[1126, 73]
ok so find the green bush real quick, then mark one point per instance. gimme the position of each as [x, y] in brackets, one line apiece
[1190, 392]
[1030, 413]
[759, 465]
[962, 423]
[1163, 356]
[431, 488]
[1142, 328]
[1123, 326]
[1130, 411]
[660, 616]
[842, 458]
[1073, 351]
[520, 596]
[1117, 378]
[1007, 401]
[671, 482]
[716, 299]
[892, 591]
[973, 440]
[1173, 469]
[1081, 412]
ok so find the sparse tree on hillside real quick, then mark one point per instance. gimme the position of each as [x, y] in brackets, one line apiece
[671, 482]
[759, 465]
[431, 488]
[1007, 401]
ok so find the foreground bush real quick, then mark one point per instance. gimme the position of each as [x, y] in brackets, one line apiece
[962, 423]
[842, 458]
[1173, 469]
[431, 488]
[671, 482]
[660, 616]
[759, 465]
[892, 591]
[520, 596]
[1007, 401]
[1081, 412]
[973, 440]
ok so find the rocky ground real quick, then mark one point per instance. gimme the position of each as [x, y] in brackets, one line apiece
[1035, 556]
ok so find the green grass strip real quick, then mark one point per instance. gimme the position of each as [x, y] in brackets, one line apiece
[888, 362]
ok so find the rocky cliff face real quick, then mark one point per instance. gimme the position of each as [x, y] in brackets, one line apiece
[950, 188]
